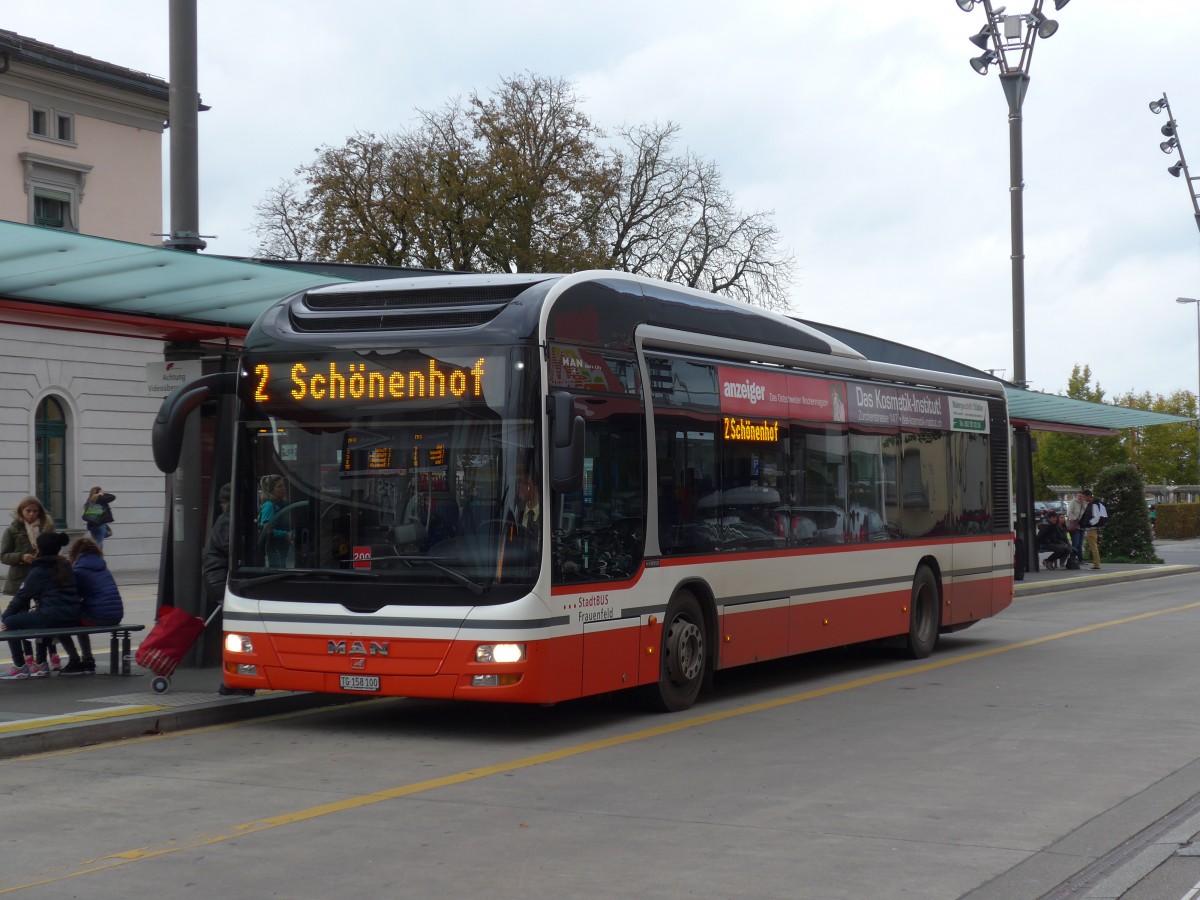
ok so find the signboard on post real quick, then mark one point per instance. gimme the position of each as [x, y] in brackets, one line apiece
[164, 377]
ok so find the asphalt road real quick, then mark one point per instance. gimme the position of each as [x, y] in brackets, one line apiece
[1051, 751]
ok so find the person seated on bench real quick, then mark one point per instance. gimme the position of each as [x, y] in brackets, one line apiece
[1053, 537]
[47, 599]
[99, 602]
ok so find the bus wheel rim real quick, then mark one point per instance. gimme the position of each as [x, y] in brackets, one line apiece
[686, 650]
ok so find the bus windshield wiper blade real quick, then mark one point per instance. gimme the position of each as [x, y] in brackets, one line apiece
[465, 580]
[307, 573]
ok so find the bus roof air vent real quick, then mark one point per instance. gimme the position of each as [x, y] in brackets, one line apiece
[401, 310]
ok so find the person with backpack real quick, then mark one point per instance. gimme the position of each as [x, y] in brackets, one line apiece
[97, 515]
[1095, 516]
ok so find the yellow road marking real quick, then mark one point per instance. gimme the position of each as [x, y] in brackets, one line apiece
[77, 718]
[139, 854]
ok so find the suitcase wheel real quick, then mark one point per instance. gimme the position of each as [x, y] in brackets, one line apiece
[160, 684]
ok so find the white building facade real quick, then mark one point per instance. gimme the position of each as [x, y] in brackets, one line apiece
[80, 151]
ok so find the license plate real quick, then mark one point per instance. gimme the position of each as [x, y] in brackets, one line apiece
[360, 682]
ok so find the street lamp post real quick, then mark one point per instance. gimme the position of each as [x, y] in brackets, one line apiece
[1174, 144]
[1007, 41]
[1197, 302]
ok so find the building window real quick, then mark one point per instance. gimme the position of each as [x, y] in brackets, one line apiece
[51, 124]
[55, 190]
[52, 209]
[50, 451]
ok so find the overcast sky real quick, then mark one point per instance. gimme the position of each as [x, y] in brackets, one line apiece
[861, 125]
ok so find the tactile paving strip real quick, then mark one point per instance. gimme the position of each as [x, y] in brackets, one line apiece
[170, 699]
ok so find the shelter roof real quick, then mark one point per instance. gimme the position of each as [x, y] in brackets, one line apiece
[1037, 410]
[60, 279]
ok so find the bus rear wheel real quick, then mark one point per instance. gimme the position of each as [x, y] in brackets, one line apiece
[684, 655]
[924, 610]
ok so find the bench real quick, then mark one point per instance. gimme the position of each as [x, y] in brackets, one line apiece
[120, 647]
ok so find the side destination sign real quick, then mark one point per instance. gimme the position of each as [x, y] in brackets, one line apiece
[765, 396]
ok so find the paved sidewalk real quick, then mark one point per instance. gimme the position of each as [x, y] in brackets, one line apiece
[1051, 580]
[60, 713]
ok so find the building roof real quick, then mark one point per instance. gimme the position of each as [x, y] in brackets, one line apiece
[18, 48]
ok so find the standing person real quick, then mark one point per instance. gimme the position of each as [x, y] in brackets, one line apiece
[1075, 511]
[99, 602]
[216, 554]
[18, 547]
[278, 538]
[1093, 519]
[47, 599]
[97, 515]
[1053, 537]
[216, 570]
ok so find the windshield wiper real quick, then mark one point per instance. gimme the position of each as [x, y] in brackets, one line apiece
[307, 573]
[465, 580]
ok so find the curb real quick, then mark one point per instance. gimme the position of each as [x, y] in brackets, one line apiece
[74, 735]
[1071, 584]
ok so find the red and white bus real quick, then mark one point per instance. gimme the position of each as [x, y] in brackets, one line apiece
[536, 488]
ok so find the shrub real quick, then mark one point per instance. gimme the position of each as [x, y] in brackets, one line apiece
[1127, 536]
[1178, 520]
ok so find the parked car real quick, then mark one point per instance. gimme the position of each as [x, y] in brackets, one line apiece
[1043, 508]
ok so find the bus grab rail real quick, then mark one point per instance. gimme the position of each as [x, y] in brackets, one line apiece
[166, 435]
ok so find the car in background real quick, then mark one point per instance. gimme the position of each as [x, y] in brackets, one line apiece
[1043, 508]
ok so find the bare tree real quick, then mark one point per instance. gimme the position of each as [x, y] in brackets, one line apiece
[283, 224]
[672, 218]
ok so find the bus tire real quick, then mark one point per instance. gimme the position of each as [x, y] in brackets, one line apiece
[683, 658]
[924, 614]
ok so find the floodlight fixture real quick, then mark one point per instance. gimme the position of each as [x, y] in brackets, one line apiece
[1157, 106]
[980, 63]
[984, 37]
[966, 5]
[1045, 27]
[1174, 170]
[1169, 146]
[1168, 130]
[1059, 4]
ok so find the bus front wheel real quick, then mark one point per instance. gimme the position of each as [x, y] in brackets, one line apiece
[924, 611]
[684, 655]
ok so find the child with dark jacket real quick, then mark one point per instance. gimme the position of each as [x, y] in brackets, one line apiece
[99, 602]
[47, 599]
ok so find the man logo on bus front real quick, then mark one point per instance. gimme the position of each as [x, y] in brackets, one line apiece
[371, 648]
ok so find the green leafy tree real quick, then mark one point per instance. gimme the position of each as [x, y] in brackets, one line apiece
[1075, 459]
[1127, 536]
[1164, 454]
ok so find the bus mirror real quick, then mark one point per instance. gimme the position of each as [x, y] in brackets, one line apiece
[166, 436]
[566, 445]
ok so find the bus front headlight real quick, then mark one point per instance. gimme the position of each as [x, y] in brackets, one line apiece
[238, 643]
[499, 653]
